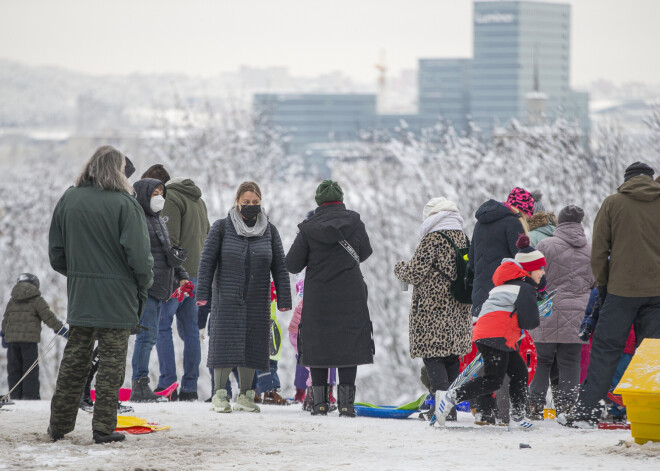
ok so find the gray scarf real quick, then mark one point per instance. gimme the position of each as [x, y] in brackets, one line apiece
[242, 229]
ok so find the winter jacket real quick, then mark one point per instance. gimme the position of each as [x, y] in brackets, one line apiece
[591, 315]
[626, 230]
[510, 307]
[569, 272]
[335, 329]
[494, 239]
[164, 275]
[24, 314]
[439, 325]
[187, 220]
[234, 276]
[295, 319]
[541, 226]
[99, 240]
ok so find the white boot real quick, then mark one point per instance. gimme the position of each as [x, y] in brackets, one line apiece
[520, 423]
[444, 401]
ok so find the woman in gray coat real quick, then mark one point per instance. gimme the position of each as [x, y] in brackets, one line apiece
[569, 272]
[239, 256]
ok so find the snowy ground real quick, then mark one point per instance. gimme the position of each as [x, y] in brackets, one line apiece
[286, 438]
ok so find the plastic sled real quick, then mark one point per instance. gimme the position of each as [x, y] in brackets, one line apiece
[365, 409]
[124, 394]
[613, 426]
[136, 425]
[167, 392]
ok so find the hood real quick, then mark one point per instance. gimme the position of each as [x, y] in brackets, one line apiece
[143, 190]
[492, 211]
[542, 219]
[641, 188]
[507, 271]
[25, 290]
[330, 224]
[186, 187]
[572, 233]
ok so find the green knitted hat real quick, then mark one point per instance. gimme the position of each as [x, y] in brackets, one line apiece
[329, 191]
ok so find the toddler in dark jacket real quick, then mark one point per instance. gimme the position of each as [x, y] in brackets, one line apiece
[21, 332]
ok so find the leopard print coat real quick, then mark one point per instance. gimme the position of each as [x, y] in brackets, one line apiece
[439, 325]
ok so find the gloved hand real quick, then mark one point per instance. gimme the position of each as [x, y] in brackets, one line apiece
[602, 293]
[2, 338]
[203, 315]
[183, 292]
[64, 333]
[585, 332]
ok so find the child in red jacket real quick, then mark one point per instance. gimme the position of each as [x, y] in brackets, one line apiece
[511, 307]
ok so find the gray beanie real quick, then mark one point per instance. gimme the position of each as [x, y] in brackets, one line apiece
[538, 204]
[570, 213]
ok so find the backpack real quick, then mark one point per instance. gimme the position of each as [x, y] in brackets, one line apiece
[461, 287]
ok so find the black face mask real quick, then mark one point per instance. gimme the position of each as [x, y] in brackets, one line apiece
[250, 212]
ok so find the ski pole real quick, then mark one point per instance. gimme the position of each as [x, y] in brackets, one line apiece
[49, 347]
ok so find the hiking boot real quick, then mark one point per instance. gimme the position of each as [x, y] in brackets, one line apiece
[536, 411]
[257, 397]
[299, 397]
[186, 396]
[274, 398]
[485, 418]
[122, 409]
[346, 393]
[320, 398]
[245, 402]
[54, 436]
[220, 402]
[141, 392]
[520, 423]
[444, 402]
[108, 437]
[308, 402]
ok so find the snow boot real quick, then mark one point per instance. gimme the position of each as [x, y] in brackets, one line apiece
[257, 397]
[54, 436]
[308, 402]
[320, 396]
[186, 396]
[536, 411]
[568, 420]
[245, 402]
[122, 409]
[141, 392]
[274, 398]
[346, 393]
[299, 397]
[520, 423]
[220, 402]
[444, 402]
[108, 437]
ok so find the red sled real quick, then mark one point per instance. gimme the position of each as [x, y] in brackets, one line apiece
[125, 393]
[527, 352]
[613, 426]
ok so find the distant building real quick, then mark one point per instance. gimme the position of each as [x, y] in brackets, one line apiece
[444, 91]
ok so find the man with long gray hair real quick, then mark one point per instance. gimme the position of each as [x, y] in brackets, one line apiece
[98, 239]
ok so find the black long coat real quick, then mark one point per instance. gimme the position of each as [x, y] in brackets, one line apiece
[237, 269]
[494, 238]
[335, 329]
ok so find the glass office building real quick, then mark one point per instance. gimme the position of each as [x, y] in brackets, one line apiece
[444, 91]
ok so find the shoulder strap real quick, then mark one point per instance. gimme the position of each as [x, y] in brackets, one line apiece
[350, 250]
[448, 239]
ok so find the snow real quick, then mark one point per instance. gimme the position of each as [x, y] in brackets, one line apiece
[286, 438]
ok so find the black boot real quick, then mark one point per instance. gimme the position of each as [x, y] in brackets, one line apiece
[108, 437]
[346, 399]
[141, 392]
[321, 397]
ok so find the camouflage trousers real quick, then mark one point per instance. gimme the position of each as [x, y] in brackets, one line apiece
[74, 369]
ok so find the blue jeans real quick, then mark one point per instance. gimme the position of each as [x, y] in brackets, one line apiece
[186, 324]
[267, 380]
[146, 339]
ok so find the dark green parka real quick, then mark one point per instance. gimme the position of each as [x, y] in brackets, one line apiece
[99, 241]
[25, 312]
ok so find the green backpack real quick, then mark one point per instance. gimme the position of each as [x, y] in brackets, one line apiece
[461, 287]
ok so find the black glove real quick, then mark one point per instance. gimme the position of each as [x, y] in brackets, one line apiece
[585, 332]
[203, 315]
[64, 333]
[2, 338]
[602, 293]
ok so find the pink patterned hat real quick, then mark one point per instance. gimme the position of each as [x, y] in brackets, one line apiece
[522, 199]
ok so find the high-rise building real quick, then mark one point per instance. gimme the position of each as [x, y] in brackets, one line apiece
[444, 91]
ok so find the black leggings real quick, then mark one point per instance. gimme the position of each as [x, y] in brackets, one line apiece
[442, 371]
[497, 364]
[346, 375]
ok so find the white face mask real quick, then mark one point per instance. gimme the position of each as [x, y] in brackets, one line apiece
[157, 203]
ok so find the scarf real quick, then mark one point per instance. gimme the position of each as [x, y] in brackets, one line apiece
[243, 229]
[441, 221]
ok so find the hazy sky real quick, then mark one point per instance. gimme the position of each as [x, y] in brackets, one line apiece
[611, 39]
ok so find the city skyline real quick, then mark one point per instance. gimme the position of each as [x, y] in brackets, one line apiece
[305, 37]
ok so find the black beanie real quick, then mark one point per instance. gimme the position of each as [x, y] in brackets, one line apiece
[570, 213]
[636, 169]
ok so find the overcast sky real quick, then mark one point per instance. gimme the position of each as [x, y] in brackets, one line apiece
[611, 39]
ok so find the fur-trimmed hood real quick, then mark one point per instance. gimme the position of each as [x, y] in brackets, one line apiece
[542, 219]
